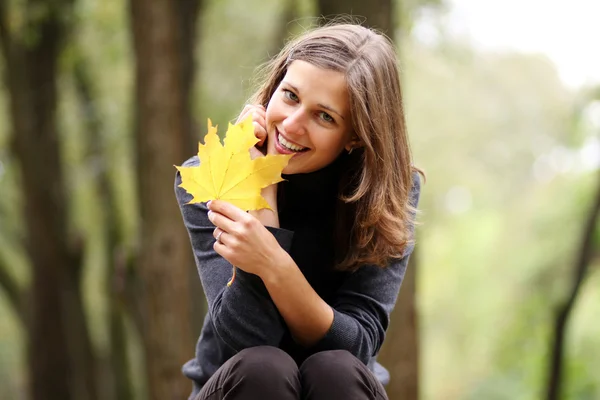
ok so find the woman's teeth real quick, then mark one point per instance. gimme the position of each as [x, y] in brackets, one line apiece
[290, 146]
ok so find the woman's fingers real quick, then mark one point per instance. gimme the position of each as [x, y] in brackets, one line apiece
[241, 238]
[258, 114]
[233, 220]
[258, 121]
[221, 222]
[224, 214]
[260, 132]
[255, 153]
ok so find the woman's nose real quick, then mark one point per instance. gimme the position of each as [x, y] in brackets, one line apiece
[295, 122]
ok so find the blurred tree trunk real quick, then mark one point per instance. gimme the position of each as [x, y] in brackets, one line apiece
[289, 13]
[61, 362]
[379, 14]
[188, 12]
[400, 351]
[583, 260]
[164, 255]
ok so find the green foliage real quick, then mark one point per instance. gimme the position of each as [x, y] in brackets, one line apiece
[230, 52]
[26, 20]
[503, 211]
[12, 347]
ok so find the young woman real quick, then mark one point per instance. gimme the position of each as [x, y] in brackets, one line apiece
[319, 274]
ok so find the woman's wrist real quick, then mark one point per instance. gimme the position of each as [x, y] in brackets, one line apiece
[280, 262]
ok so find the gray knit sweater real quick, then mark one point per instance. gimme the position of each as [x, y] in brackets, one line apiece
[244, 315]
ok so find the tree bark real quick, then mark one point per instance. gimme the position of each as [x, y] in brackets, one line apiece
[188, 12]
[164, 257]
[379, 14]
[400, 351]
[82, 358]
[282, 32]
[584, 257]
[30, 75]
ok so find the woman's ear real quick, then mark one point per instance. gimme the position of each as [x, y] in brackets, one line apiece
[353, 143]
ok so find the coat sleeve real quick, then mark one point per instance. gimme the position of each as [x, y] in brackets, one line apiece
[243, 314]
[363, 304]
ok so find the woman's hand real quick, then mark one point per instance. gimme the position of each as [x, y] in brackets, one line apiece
[259, 117]
[242, 239]
[259, 121]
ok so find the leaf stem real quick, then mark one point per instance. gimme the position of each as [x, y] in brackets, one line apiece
[232, 277]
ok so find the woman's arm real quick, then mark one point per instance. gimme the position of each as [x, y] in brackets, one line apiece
[362, 308]
[306, 314]
[244, 314]
[357, 318]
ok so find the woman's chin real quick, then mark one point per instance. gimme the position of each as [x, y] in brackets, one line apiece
[288, 170]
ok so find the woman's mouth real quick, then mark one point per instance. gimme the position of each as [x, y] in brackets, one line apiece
[284, 146]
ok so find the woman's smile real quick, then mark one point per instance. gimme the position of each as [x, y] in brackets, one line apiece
[286, 146]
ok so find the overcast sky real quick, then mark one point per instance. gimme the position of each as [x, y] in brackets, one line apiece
[568, 31]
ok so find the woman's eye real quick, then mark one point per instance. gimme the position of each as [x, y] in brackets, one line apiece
[326, 117]
[290, 95]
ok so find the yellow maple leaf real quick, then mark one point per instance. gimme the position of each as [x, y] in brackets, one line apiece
[227, 172]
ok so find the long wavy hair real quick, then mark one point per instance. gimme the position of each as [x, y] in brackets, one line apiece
[374, 215]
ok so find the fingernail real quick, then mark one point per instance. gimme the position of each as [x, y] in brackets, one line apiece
[208, 204]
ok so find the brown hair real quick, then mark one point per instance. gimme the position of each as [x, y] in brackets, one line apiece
[374, 213]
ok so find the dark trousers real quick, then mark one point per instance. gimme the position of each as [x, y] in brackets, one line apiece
[268, 373]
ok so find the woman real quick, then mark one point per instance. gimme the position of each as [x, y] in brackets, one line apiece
[319, 274]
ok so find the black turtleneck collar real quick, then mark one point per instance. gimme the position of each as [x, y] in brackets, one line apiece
[312, 191]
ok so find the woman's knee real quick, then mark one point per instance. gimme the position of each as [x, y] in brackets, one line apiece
[338, 374]
[264, 363]
[330, 362]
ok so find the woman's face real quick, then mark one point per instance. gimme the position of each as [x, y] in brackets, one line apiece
[309, 116]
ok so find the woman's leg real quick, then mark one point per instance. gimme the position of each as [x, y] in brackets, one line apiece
[264, 372]
[337, 374]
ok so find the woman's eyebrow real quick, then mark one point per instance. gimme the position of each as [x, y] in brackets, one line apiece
[331, 109]
[326, 107]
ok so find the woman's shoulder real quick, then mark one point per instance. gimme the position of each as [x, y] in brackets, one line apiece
[191, 162]
[415, 190]
[183, 197]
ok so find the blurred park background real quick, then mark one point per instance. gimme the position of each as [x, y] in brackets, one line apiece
[99, 297]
